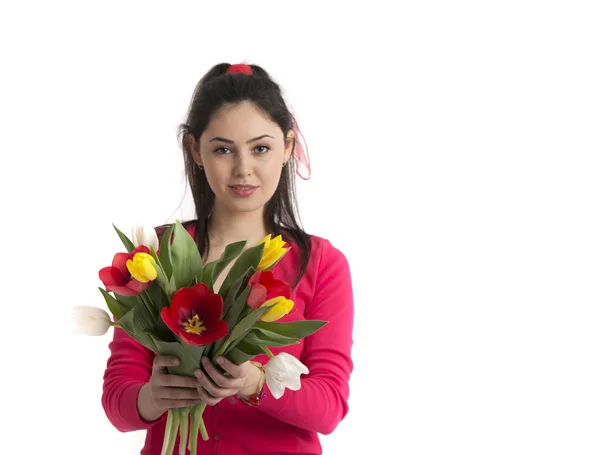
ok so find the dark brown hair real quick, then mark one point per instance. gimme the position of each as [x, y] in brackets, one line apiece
[215, 89]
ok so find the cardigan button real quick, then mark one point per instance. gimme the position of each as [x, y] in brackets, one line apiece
[217, 437]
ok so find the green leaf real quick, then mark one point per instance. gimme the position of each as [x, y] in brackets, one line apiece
[161, 277]
[185, 258]
[159, 301]
[245, 324]
[213, 269]
[230, 316]
[117, 309]
[243, 352]
[296, 329]
[158, 296]
[126, 242]
[249, 258]
[165, 255]
[207, 275]
[189, 356]
[127, 302]
[233, 314]
[138, 322]
[172, 286]
[260, 337]
[233, 293]
[232, 251]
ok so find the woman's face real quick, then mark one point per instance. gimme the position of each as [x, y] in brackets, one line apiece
[242, 152]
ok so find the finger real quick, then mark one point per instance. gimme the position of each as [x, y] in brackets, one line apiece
[162, 361]
[218, 378]
[173, 380]
[236, 371]
[213, 389]
[207, 397]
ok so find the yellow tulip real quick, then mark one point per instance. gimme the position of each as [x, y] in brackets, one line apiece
[273, 251]
[142, 267]
[281, 307]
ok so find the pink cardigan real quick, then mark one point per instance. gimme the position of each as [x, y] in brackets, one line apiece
[287, 425]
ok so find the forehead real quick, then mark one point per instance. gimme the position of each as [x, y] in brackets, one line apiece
[241, 120]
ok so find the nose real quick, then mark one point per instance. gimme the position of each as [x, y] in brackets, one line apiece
[243, 163]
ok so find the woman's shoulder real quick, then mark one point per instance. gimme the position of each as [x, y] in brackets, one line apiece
[325, 252]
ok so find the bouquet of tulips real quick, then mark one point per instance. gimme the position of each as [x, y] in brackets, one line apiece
[162, 296]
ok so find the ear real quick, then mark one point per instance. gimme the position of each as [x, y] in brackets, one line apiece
[194, 148]
[289, 145]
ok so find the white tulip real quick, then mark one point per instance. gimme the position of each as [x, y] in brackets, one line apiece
[283, 371]
[143, 234]
[91, 321]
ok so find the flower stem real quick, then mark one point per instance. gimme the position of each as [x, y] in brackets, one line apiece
[220, 352]
[174, 430]
[197, 425]
[267, 351]
[193, 437]
[148, 303]
[167, 436]
[184, 429]
[203, 431]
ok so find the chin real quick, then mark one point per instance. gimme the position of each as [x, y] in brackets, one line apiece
[247, 205]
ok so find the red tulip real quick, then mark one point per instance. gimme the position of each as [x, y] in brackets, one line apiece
[117, 278]
[265, 287]
[195, 315]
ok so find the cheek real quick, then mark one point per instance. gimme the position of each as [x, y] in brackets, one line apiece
[271, 175]
[217, 173]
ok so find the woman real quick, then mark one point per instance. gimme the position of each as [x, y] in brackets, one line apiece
[241, 148]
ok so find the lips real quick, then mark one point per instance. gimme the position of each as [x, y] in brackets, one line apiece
[243, 187]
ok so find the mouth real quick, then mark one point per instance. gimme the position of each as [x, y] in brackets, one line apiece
[243, 190]
[243, 187]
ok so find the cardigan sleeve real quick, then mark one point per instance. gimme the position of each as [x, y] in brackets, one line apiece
[322, 401]
[128, 368]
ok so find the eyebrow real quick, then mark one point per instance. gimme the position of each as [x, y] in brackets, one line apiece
[229, 141]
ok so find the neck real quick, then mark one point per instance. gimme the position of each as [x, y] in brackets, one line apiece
[226, 227]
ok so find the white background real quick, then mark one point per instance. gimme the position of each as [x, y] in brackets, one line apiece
[454, 148]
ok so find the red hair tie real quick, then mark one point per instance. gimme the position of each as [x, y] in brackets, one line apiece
[239, 68]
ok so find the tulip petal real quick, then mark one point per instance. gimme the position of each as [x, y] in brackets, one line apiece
[264, 286]
[168, 320]
[283, 371]
[144, 234]
[216, 332]
[275, 387]
[189, 303]
[279, 310]
[90, 321]
[136, 287]
[292, 382]
[292, 362]
[111, 276]
[256, 297]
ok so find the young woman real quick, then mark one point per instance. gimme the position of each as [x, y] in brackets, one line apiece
[241, 148]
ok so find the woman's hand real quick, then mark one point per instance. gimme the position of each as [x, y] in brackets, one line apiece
[242, 379]
[166, 391]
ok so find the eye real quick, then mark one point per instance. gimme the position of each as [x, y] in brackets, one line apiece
[222, 151]
[263, 149]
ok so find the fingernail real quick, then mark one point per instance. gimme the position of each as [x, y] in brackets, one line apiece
[204, 360]
[174, 362]
[220, 361]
